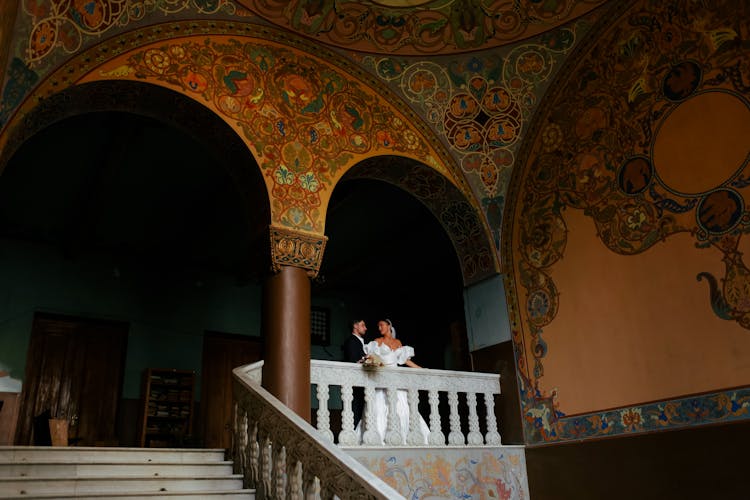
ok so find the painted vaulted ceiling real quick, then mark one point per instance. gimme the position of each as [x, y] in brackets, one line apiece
[470, 72]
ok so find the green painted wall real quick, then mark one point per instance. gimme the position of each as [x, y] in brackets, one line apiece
[168, 312]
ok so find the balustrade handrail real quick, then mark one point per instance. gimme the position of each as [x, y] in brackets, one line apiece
[283, 456]
[419, 378]
[347, 376]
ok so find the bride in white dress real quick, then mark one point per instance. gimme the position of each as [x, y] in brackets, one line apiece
[390, 351]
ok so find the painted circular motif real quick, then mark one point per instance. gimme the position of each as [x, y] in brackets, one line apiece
[298, 91]
[422, 82]
[467, 137]
[497, 100]
[538, 306]
[720, 211]
[43, 39]
[502, 131]
[90, 13]
[705, 135]
[531, 66]
[462, 106]
[489, 173]
[681, 81]
[502, 157]
[635, 175]
[544, 241]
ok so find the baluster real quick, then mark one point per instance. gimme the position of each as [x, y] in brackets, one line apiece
[455, 436]
[241, 441]
[324, 422]
[370, 436]
[347, 436]
[415, 436]
[393, 435]
[266, 468]
[279, 472]
[474, 437]
[296, 489]
[313, 489]
[437, 438]
[254, 456]
[493, 437]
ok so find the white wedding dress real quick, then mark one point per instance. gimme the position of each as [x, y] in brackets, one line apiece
[391, 358]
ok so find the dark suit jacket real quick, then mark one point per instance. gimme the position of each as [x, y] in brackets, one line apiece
[353, 350]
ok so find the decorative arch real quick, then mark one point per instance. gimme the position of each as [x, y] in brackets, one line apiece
[464, 225]
[161, 104]
[306, 114]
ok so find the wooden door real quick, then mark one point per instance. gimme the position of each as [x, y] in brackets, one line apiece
[74, 369]
[221, 354]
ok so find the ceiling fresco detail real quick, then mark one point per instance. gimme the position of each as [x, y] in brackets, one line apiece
[64, 25]
[480, 104]
[305, 119]
[419, 27]
[606, 146]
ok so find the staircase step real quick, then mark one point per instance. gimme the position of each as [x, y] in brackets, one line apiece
[27, 486]
[99, 469]
[83, 454]
[166, 495]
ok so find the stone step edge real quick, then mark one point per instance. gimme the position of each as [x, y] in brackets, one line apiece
[130, 494]
[115, 478]
[114, 462]
[108, 448]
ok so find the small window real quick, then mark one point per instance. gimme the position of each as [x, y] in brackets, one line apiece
[320, 325]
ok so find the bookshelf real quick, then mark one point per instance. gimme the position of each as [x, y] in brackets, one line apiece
[167, 400]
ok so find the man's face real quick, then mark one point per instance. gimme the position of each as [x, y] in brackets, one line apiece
[360, 328]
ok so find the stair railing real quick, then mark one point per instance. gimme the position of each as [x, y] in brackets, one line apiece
[284, 457]
[345, 376]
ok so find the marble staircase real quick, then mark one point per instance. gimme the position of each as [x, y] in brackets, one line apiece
[30, 472]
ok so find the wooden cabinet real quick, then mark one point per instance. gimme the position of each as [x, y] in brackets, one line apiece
[167, 418]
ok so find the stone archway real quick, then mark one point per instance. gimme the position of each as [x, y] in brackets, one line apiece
[306, 113]
[463, 223]
[164, 105]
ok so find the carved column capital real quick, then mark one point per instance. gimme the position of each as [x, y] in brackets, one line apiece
[294, 248]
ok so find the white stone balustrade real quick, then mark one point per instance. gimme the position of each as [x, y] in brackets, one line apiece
[284, 457]
[327, 374]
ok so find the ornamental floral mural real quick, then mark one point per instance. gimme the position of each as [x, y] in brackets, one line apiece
[306, 121]
[645, 139]
[451, 474]
[481, 104]
[419, 27]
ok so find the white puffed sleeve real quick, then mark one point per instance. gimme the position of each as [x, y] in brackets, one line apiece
[403, 354]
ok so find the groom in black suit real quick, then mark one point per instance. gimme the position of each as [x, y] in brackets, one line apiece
[354, 351]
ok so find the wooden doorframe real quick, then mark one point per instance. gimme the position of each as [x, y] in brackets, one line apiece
[211, 437]
[75, 328]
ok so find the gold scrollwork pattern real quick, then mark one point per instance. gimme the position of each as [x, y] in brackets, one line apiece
[292, 248]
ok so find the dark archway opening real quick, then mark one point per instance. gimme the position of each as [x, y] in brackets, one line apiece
[118, 216]
[387, 256]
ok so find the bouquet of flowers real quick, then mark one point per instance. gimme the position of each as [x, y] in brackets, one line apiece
[372, 362]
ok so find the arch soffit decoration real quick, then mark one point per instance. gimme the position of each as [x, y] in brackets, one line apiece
[632, 206]
[164, 105]
[305, 130]
[464, 225]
